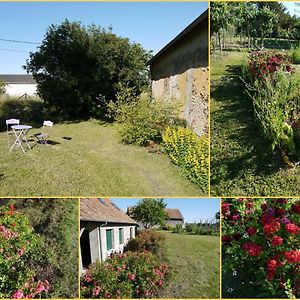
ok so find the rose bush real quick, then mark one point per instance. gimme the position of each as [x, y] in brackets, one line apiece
[273, 86]
[261, 247]
[128, 275]
[19, 254]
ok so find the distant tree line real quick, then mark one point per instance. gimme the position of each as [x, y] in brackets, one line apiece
[250, 23]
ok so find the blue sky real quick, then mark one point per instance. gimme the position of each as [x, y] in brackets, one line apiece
[192, 209]
[292, 8]
[152, 24]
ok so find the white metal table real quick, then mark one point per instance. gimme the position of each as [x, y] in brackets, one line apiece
[20, 132]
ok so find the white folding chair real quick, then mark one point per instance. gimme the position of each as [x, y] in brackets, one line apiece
[11, 122]
[42, 137]
[10, 132]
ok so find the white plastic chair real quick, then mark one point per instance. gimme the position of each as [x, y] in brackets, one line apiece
[42, 137]
[11, 122]
[10, 132]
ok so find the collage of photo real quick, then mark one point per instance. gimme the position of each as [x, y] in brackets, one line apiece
[150, 150]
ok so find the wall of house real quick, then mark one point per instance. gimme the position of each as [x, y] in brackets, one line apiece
[17, 90]
[173, 223]
[97, 238]
[181, 75]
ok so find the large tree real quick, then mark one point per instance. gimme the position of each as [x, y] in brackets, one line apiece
[80, 69]
[150, 212]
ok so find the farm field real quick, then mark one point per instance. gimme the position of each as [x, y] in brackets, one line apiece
[86, 158]
[242, 162]
[194, 260]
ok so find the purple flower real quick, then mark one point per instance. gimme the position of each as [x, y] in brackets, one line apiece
[271, 211]
[285, 220]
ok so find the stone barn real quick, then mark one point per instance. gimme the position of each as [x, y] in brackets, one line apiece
[179, 72]
[104, 229]
[174, 217]
[19, 85]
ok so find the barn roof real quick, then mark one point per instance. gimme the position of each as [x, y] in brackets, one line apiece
[174, 213]
[202, 18]
[102, 210]
[17, 78]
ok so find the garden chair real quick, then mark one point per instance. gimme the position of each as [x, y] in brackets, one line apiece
[42, 137]
[10, 132]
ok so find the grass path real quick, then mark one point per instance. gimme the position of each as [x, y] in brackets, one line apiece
[195, 266]
[91, 162]
[242, 162]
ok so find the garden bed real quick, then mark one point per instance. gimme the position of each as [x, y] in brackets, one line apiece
[242, 161]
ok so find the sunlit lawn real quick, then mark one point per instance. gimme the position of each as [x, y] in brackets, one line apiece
[86, 158]
[195, 263]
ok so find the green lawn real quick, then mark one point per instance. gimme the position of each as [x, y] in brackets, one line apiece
[242, 162]
[195, 263]
[86, 158]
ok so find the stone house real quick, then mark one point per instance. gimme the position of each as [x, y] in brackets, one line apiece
[179, 72]
[104, 229]
[19, 85]
[174, 217]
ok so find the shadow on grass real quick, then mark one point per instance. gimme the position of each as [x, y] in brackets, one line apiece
[238, 145]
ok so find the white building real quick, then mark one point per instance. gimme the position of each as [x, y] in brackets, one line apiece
[104, 229]
[19, 85]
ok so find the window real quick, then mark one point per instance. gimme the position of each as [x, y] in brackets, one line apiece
[131, 232]
[109, 239]
[121, 236]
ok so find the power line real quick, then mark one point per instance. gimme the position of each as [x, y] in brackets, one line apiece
[12, 50]
[16, 41]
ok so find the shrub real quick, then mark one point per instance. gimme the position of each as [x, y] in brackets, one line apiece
[129, 275]
[295, 55]
[143, 121]
[56, 221]
[261, 247]
[29, 111]
[189, 152]
[274, 94]
[148, 240]
[20, 257]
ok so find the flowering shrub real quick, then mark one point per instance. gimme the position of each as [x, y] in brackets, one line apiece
[128, 275]
[263, 63]
[19, 250]
[261, 247]
[189, 152]
[147, 240]
[273, 86]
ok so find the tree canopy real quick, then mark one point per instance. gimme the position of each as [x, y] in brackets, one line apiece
[254, 20]
[150, 212]
[80, 69]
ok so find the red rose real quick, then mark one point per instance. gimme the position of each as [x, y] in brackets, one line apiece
[251, 231]
[292, 228]
[276, 240]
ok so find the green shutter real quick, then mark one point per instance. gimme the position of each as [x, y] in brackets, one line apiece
[121, 236]
[131, 232]
[109, 239]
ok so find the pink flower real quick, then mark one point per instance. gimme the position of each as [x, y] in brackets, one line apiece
[18, 295]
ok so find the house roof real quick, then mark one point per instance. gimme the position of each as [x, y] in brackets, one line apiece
[182, 34]
[102, 210]
[17, 78]
[173, 213]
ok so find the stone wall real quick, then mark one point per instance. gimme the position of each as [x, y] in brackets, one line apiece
[180, 75]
